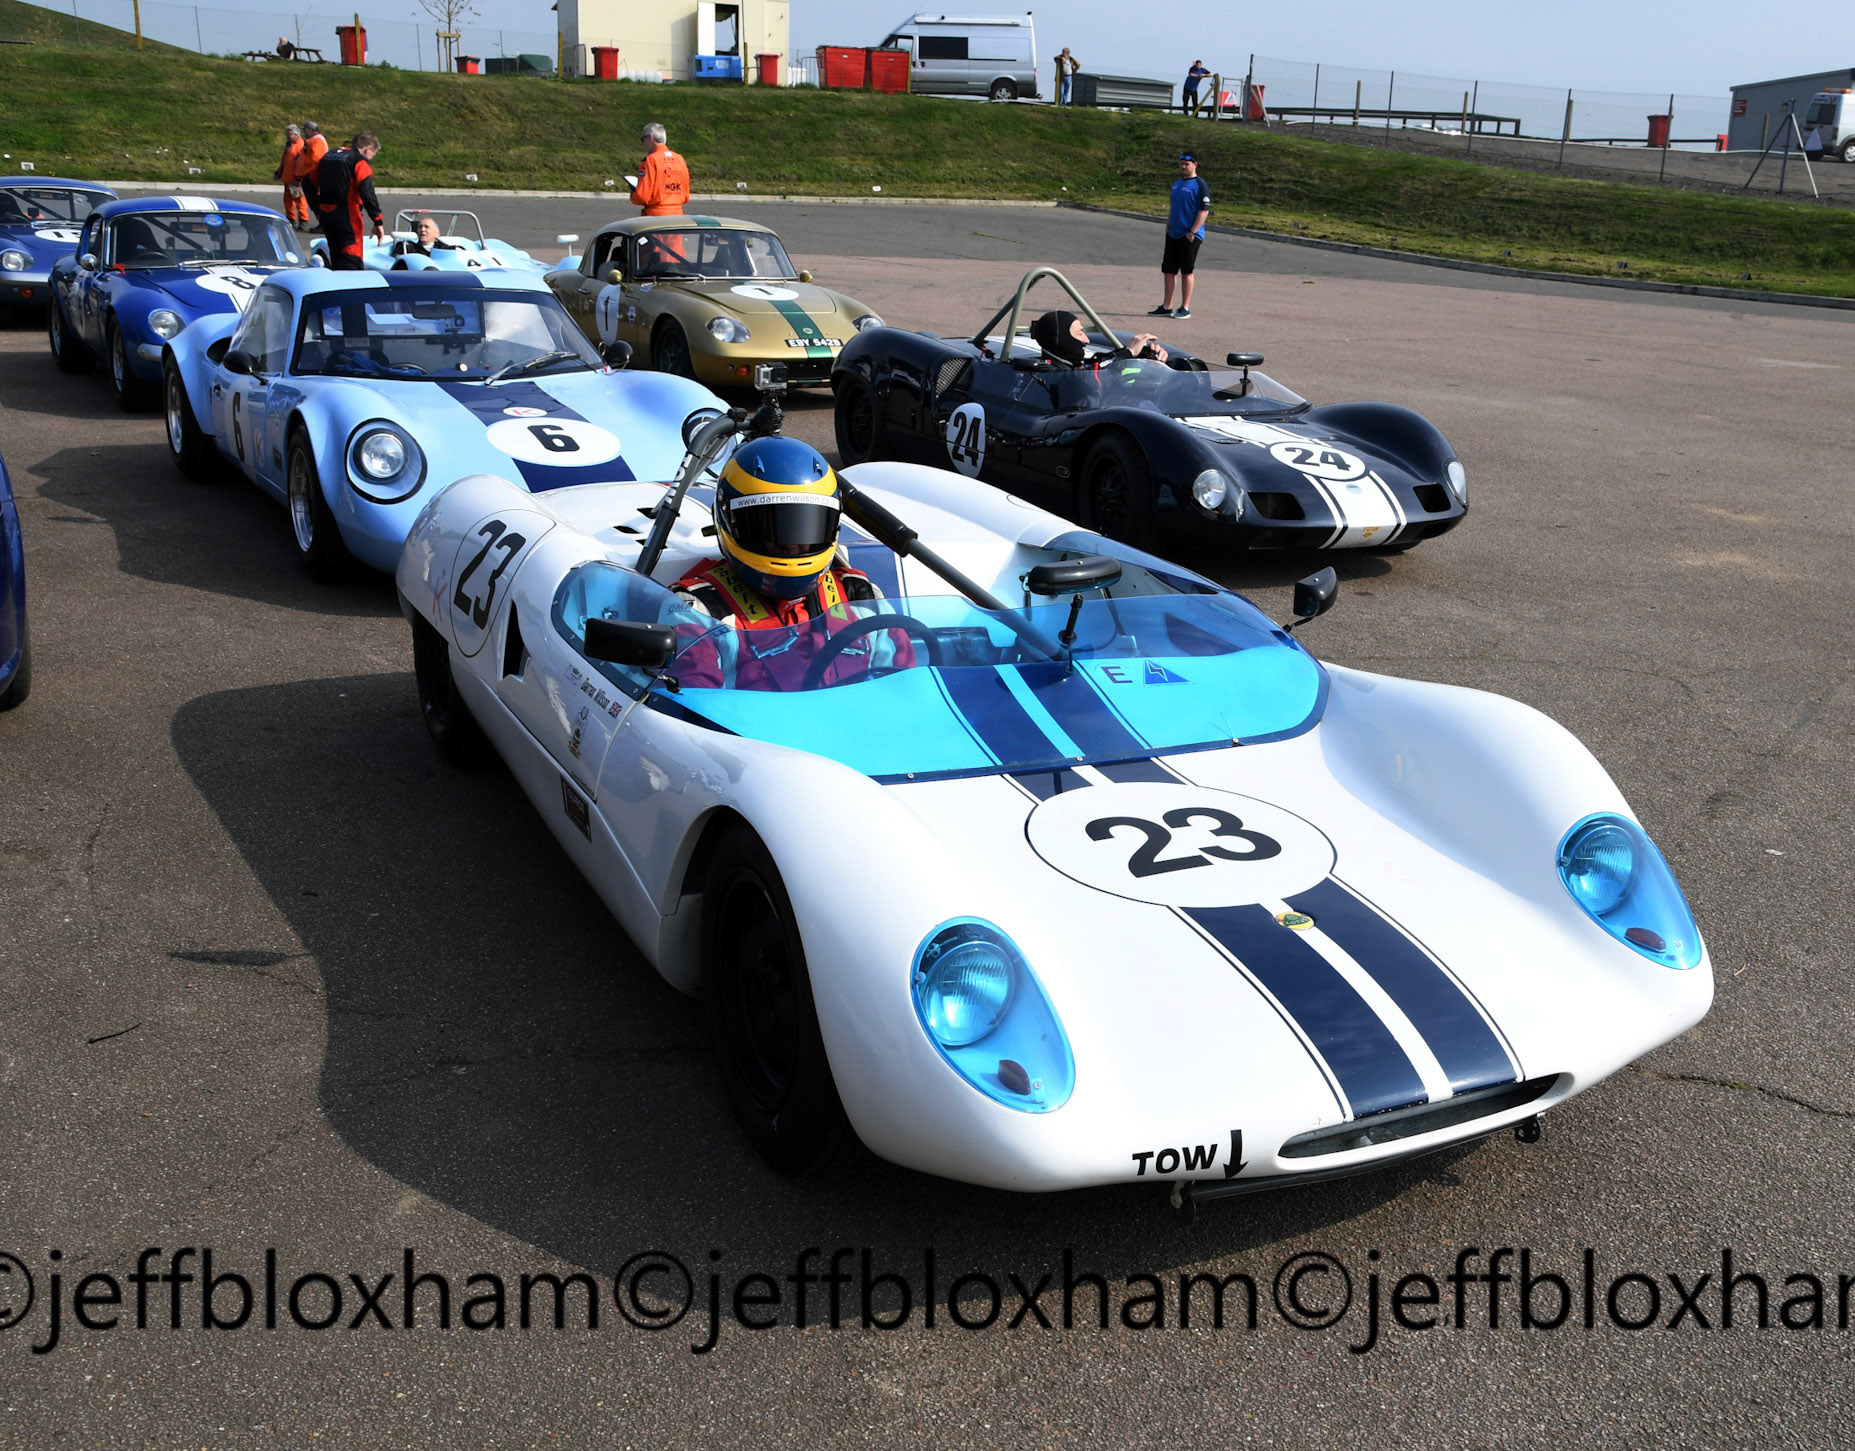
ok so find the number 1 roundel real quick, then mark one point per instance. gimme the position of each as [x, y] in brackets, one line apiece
[1178, 845]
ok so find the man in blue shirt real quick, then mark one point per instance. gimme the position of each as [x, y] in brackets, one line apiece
[1189, 97]
[1191, 204]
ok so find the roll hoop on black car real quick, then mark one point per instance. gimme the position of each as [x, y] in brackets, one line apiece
[1133, 447]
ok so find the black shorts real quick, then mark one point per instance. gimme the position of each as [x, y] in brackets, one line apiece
[1181, 255]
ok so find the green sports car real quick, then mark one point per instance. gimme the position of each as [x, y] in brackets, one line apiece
[707, 297]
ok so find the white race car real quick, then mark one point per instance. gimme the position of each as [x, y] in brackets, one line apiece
[1061, 865]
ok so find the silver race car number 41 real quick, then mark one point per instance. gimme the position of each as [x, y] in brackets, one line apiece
[1179, 846]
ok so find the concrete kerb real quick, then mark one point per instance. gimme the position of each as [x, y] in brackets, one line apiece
[1627, 284]
[195, 187]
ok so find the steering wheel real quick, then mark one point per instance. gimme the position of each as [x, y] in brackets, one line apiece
[843, 639]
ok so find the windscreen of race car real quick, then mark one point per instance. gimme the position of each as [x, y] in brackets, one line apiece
[201, 239]
[708, 252]
[411, 333]
[40, 205]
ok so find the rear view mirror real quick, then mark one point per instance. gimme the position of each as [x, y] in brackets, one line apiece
[1092, 571]
[1244, 360]
[565, 237]
[237, 361]
[616, 355]
[624, 642]
[1315, 595]
[614, 276]
[805, 276]
[88, 261]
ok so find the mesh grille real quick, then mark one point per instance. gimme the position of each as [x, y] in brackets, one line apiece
[950, 373]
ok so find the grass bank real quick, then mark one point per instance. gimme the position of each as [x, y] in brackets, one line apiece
[149, 115]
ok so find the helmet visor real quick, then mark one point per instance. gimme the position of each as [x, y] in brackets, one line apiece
[783, 526]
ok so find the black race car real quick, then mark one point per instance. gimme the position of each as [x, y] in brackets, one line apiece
[1130, 446]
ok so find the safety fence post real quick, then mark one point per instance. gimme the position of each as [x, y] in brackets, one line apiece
[1667, 141]
[1566, 134]
[1390, 90]
[1314, 111]
[1474, 119]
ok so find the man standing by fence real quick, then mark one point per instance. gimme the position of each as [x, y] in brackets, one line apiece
[1190, 206]
[1066, 67]
[662, 184]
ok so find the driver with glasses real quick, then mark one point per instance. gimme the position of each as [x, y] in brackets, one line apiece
[780, 582]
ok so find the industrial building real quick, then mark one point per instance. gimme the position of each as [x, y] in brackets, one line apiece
[1759, 107]
[661, 39]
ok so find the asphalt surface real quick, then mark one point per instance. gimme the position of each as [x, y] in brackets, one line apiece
[277, 978]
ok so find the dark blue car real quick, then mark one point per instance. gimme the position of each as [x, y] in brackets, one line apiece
[15, 654]
[145, 269]
[40, 219]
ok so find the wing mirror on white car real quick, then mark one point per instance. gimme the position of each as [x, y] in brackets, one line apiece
[624, 642]
[1092, 571]
[1314, 596]
[616, 355]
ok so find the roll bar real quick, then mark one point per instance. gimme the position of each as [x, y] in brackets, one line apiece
[1016, 308]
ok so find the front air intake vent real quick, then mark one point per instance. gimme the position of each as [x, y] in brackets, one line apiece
[953, 373]
[1424, 1118]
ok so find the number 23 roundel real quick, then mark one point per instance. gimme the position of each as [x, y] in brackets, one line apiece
[486, 563]
[1179, 846]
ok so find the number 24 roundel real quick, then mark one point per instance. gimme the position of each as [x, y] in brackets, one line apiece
[1179, 846]
[966, 439]
[485, 566]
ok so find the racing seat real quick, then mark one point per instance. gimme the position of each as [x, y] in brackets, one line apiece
[136, 239]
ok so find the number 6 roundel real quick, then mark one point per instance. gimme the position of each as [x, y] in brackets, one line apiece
[485, 567]
[1178, 845]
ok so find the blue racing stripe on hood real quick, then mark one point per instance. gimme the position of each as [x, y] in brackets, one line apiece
[995, 715]
[1437, 1006]
[491, 405]
[1374, 1072]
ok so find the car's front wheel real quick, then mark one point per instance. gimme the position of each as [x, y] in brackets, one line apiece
[448, 721]
[670, 350]
[1115, 495]
[763, 1024]
[68, 352]
[861, 434]
[132, 394]
[318, 538]
[192, 450]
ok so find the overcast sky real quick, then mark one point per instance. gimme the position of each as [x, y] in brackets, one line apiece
[1701, 47]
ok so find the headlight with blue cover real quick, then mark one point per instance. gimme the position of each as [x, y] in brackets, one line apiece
[1614, 872]
[984, 1010]
[385, 466]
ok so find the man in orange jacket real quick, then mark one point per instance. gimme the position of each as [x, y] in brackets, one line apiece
[289, 172]
[315, 147]
[662, 184]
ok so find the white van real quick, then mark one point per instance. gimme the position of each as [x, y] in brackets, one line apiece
[969, 55]
[1832, 117]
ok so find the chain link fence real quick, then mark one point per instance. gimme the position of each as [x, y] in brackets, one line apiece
[399, 43]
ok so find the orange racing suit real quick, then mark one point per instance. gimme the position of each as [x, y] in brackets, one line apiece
[663, 184]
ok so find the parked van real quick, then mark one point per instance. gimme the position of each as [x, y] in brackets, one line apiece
[1832, 117]
[969, 55]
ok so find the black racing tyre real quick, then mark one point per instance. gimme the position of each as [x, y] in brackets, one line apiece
[318, 538]
[193, 452]
[448, 721]
[1115, 494]
[762, 1022]
[69, 352]
[132, 394]
[670, 350]
[1003, 90]
[862, 431]
[20, 686]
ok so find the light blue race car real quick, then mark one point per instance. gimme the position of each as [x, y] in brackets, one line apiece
[148, 267]
[355, 397]
[40, 220]
[460, 246]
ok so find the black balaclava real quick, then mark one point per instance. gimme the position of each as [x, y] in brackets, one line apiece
[1051, 333]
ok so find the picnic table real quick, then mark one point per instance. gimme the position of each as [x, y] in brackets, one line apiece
[310, 53]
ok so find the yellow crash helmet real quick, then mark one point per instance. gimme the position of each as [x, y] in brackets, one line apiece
[776, 514]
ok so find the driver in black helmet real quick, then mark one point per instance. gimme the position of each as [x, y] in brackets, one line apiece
[1064, 340]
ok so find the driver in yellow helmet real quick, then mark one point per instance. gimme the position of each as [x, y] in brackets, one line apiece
[780, 580]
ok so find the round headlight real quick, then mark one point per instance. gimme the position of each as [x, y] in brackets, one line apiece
[14, 260]
[381, 455]
[164, 323]
[1209, 489]
[866, 322]
[965, 993]
[1458, 481]
[1598, 864]
[727, 330]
